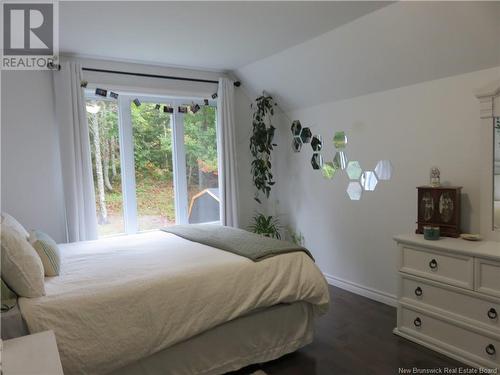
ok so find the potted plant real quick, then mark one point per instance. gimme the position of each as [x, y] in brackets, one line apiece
[266, 225]
[261, 146]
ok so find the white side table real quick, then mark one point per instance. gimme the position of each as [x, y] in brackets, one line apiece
[31, 355]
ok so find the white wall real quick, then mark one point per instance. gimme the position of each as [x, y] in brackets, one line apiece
[416, 127]
[143, 85]
[31, 169]
[401, 44]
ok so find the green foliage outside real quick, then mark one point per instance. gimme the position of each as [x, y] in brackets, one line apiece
[152, 135]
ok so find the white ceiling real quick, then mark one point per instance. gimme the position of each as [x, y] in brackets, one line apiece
[208, 35]
[402, 44]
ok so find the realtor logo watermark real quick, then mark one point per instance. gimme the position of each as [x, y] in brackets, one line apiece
[30, 35]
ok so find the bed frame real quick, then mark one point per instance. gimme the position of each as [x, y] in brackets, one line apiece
[255, 338]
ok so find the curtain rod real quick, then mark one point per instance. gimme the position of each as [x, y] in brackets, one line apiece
[236, 83]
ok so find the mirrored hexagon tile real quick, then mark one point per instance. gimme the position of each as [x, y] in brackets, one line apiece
[328, 170]
[383, 170]
[296, 144]
[305, 135]
[340, 160]
[354, 190]
[317, 161]
[296, 128]
[340, 140]
[354, 170]
[317, 143]
[369, 180]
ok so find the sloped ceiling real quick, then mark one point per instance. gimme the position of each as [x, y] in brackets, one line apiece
[216, 35]
[401, 44]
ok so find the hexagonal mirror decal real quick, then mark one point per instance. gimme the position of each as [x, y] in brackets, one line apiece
[354, 170]
[354, 190]
[296, 144]
[340, 140]
[305, 135]
[368, 180]
[328, 170]
[296, 128]
[383, 170]
[340, 160]
[317, 143]
[317, 161]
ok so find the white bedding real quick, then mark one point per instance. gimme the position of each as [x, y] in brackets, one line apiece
[121, 299]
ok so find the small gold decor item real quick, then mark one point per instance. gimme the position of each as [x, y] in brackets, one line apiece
[435, 177]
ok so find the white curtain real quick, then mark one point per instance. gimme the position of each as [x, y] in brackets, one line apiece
[226, 144]
[81, 221]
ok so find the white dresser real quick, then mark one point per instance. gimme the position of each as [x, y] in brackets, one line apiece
[449, 297]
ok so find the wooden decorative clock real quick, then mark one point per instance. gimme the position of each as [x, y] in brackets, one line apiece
[439, 207]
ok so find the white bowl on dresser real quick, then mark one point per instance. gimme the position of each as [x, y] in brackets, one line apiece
[449, 297]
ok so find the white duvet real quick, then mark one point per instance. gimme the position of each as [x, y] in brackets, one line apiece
[124, 298]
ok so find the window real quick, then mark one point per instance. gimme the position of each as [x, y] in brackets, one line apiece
[154, 178]
[200, 143]
[152, 166]
[102, 118]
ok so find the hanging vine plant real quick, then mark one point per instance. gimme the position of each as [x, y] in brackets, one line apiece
[261, 145]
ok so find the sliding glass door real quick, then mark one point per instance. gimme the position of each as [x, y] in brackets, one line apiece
[200, 142]
[102, 116]
[159, 156]
[154, 175]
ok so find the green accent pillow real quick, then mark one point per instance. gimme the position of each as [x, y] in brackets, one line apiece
[9, 298]
[48, 251]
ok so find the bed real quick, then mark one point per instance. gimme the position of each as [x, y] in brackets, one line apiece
[155, 303]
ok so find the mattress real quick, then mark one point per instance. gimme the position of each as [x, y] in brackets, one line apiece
[121, 299]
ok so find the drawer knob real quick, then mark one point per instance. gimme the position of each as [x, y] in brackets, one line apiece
[490, 349]
[433, 264]
[418, 291]
[492, 313]
[417, 322]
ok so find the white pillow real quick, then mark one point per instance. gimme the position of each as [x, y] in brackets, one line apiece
[9, 221]
[22, 268]
[47, 250]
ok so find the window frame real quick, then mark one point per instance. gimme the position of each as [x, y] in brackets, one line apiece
[127, 161]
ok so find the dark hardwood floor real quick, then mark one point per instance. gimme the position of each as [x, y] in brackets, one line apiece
[355, 337]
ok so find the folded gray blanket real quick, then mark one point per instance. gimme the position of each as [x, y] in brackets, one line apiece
[237, 241]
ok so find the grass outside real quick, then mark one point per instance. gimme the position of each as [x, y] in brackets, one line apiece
[155, 205]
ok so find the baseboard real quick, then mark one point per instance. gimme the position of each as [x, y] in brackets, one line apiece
[364, 291]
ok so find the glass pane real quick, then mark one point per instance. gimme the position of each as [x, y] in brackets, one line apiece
[200, 142]
[152, 132]
[102, 117]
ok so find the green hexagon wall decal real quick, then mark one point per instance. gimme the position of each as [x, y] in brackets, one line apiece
[340, 160]
[340, 140]
[328, 170]
[354, 170]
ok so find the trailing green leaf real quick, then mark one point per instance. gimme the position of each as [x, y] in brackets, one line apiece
[261, 145]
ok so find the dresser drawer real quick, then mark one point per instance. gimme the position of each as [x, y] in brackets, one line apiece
[487, 276]
[472, 345]
[451, 269]
[459, 303]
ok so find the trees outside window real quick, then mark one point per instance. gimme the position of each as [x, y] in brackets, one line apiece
[152, 140]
